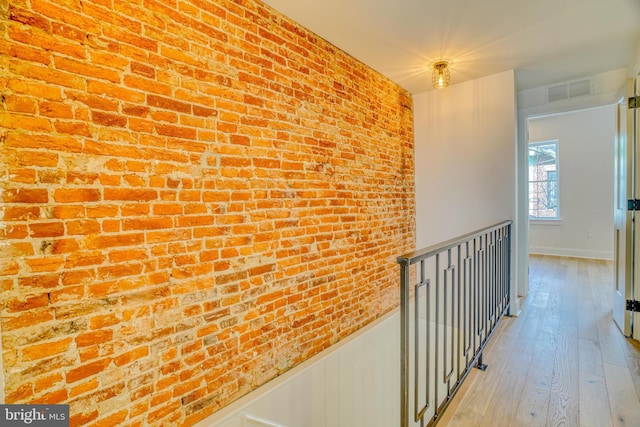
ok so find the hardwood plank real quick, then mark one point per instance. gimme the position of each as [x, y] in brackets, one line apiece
[563, 398]
[631, 349]
[464, 417]
[587, 320]
[534, 404]
[610, 348]
[594, 401]
[508, 395]
[590, 357]
[625, 406]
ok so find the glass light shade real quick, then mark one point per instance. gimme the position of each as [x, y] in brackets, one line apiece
[440, 77]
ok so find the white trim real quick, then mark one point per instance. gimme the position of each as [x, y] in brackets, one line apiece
[555, 142]
[570, 252]
[551, 221]
[253, 421]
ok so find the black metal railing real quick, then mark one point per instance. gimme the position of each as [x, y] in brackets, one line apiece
[452, 297]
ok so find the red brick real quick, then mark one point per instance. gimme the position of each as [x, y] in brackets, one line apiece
[65, 246]
[106, 119]
[143, 70]
[84, 69]
[49, 263]
[34, 158]
[83, 227]
[37, 89]
[28, 18]
[87, 370]
[25, 176]
[27, 319]
[20, 104]
[20, 394]
[15, 232]
[168, 209]
[68, 32]
[48, 382]
[46, 43]
[147, 224]
[25, 195]
[102, 241]
[75, 277]
[68, 211]
[48, 75]
[36, 301]
[112, 420]
[20, 213]
[46, 229]
[240, 139]
[145, 85]
[168, 103]
[95, 337]
[131, 356]
[73, 128]
[130, 194]
[119, 34]
[74, 195]
[55, 109]
[26, 53]
[176, 131]
[204, 111]
[41, 281]
[135, 210]
[47, 349]
[103, 211]
[51, 142]
[81, 417]
[9, 267]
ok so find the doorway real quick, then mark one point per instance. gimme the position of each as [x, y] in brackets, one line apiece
[571, 204]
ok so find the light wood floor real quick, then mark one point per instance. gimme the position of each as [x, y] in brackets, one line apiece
[562, 362]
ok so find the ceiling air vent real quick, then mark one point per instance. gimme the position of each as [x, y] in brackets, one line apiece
[569, 90]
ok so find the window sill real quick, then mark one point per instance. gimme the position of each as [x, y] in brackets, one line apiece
[552, 221]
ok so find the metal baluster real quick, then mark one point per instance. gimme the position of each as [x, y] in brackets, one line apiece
[475, 296]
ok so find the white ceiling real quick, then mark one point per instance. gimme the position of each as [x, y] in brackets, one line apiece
[545, 41]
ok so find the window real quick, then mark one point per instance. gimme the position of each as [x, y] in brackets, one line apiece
[543, 180]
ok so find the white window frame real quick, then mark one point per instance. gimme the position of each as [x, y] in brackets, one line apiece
[539, 219]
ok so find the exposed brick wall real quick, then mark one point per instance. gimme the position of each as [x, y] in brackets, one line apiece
[196, 196]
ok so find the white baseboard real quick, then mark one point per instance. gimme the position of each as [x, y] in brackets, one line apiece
[570, 252]
[252, 421]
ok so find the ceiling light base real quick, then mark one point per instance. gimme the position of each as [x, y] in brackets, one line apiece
[440, 76]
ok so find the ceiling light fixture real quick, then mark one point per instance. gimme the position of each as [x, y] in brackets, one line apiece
[440, 77]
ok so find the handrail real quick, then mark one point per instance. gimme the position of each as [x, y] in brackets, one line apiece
[413, 257]
[457, 304]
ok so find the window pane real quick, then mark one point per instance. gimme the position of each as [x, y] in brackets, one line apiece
[543, 180]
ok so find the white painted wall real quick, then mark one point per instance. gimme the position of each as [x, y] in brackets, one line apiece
[465, 157]
[605, 88]
[585, 156]
[465, 163]
[634, 67]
